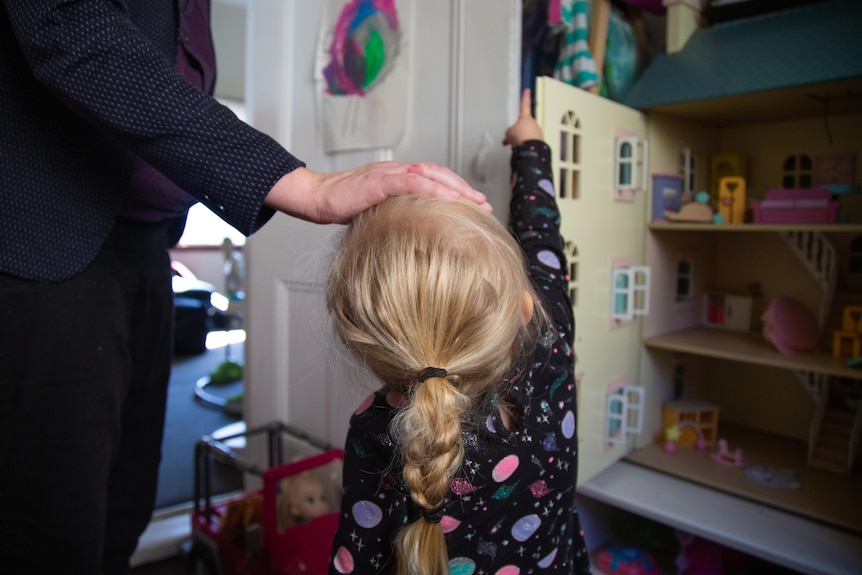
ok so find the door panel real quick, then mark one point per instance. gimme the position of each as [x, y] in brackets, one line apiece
[603, 229]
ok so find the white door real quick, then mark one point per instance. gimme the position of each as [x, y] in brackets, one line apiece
[600, 162]
[465, 76]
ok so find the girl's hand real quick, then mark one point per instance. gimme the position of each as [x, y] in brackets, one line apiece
[526, 127]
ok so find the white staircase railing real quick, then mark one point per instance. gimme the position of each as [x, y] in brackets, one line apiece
[818, 255]
[817, 385]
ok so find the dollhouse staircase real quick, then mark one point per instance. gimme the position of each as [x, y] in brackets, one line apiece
[816, 252]
[837, 428]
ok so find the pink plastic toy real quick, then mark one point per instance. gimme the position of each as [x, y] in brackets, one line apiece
[727, 457]
[627, 560]
[790, 327]
[799, 206]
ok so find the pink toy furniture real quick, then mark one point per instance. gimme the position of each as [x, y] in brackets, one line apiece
[799, 206]
[790, 327]
[727, 457]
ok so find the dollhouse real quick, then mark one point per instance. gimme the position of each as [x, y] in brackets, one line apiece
[764, 99]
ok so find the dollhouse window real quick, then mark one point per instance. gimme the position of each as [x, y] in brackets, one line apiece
[629, 292]
[855, 262]
[624, 414]
[684, 280]
[630, 167]
[569, 161]
[798, 170]
[688, 171]
[574, 261]
[626, 163]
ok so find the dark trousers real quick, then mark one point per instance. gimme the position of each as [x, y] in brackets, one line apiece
[84, 368]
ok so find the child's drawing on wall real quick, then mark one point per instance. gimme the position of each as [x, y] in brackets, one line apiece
[363, 73]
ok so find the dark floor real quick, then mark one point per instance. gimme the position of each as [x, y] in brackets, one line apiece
[174, 566]
[187, 419]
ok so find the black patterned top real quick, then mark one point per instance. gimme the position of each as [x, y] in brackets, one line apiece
[511, 508]
[87, 89]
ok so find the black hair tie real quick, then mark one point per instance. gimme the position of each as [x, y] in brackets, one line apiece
[432, 515]
[430, 372]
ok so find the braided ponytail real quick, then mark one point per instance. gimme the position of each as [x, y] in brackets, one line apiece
[429, 432]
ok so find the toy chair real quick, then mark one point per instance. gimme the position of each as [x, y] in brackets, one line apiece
[731, 199]
[848, 340]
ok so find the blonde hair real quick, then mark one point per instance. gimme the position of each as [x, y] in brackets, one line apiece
[421, 282]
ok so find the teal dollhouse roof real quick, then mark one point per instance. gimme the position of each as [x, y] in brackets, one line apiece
[813, 44]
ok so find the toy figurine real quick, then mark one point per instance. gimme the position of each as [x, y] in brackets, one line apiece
[301, 499]
[240, 514]
[727, 457]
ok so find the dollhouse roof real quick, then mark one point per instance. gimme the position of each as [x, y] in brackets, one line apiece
[817, 44]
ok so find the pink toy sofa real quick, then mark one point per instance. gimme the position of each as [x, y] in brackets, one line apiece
[797, 206]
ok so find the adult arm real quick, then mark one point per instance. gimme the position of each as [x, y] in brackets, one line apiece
[96, 61]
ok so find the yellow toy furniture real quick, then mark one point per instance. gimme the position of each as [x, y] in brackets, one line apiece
[848, 340]
[731, 199]
[690, 423]
[725, 165]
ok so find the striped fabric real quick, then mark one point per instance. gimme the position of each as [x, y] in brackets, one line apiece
[575, 65]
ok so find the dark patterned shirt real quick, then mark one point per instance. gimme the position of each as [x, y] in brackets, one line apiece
[87, 89]
[511, 508]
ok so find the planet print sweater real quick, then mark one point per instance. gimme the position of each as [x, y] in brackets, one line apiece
[511, 507]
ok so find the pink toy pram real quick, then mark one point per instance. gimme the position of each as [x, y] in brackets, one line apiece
[261, 548]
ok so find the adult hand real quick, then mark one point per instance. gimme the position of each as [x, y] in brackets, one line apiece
[525, 127]
[336, 197]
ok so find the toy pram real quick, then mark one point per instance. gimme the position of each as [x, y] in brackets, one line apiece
[248, 534]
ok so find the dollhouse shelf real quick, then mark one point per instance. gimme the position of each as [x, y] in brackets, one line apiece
[822, 228]
[784, 538]
[748, 348]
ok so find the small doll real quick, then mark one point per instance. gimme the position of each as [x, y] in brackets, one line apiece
[301, 499]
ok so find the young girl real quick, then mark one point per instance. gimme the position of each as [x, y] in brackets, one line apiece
[466, 460]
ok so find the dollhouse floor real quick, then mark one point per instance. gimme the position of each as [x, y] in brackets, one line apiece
[822, 496]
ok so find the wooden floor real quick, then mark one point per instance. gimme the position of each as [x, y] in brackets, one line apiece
[822, 496]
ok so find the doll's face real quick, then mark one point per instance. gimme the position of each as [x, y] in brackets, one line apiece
[309, 501]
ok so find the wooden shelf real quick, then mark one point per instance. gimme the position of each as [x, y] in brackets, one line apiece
[823, 228]
[749, 348]
[760, 530]
[830, 498]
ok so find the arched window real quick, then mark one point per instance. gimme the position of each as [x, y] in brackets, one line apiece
[569, 160]
[797, 172]
[626, 167]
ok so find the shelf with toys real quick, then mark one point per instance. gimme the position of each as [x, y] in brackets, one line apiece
[705, 339]
[749, 348]
[712, 335]
[755, 228]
